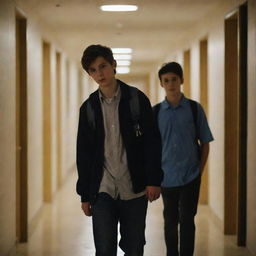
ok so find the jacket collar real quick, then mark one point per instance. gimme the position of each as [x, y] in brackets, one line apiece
[125, 94]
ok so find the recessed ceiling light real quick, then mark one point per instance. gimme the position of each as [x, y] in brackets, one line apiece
[119, 8]
[122, 70]
[121, 50]
[123, 62]
[122, 57]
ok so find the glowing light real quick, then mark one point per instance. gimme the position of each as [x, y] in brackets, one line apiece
[123, 63]
[119, 8]
[121, 50]
[122, 70]
[122, 57]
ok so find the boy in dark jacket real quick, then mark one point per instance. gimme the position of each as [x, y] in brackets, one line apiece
[118, 158]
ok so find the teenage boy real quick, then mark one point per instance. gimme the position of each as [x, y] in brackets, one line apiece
[185, 146]
[118, 160]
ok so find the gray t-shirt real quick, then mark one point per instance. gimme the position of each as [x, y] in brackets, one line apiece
[116, 179]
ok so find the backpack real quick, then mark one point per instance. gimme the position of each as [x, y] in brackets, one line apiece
[134, 107]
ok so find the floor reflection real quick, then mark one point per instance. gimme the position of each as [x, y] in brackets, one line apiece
[63, 230]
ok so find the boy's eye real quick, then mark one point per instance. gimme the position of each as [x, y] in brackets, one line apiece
[103, 65]
[91, 70]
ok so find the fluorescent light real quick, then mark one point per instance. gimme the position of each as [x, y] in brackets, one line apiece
[123, 63]
[121, 50]
[122, 57]
[122, 70]
[119, 8]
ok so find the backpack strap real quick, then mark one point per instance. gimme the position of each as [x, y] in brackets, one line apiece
[193, 106]
[134, 105]
[135, 110]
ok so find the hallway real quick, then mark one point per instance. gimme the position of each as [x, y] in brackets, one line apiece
[64, 231]
[42, 86]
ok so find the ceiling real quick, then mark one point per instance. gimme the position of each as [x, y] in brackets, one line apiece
[154, 31]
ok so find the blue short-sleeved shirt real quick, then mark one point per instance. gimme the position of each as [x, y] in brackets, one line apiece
[180, 159]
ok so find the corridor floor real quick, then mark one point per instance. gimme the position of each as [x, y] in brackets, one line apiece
[63, 230]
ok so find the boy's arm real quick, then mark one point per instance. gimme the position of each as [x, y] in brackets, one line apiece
[153, 193]
[83, 157]
[152, 149]
[86, 207]
[204, 149]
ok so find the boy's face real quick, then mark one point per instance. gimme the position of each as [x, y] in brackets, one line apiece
[171, 83]
[102, 71]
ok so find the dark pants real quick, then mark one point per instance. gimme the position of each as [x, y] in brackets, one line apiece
[180, 207]
[131, 215]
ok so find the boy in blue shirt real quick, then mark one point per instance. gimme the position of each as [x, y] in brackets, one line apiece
[183, 159]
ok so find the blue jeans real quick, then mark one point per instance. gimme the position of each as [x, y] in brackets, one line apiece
[131, 215]
[180, 207]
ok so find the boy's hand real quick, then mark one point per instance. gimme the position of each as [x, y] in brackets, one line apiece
[86, 207]
[153, 192]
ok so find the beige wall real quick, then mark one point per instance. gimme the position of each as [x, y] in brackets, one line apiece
[251, 159]
[7, 127]
[216, 118]
[194, 74]
[35, 122]
[141, 82]
[70, 120]
[154, 87]
[35, 125]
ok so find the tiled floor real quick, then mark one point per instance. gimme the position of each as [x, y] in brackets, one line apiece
[63, 230]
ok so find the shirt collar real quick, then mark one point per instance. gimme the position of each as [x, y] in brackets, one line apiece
[117, 95]
[182, 103]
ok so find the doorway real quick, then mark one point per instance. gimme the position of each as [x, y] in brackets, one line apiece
[186, 75]
[21, 130]
[203, 48]
[47, 173]
[235, 124]
[58, 119]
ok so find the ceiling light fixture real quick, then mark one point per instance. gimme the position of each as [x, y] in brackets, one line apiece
[119, 8]
[123, 63]
[121, 50]
[122, 70]
[122, 57]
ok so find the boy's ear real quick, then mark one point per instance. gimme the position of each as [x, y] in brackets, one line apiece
[161, 83]
[182, 80]
[114, 64]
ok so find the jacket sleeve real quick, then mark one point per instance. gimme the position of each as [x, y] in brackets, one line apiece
[83, 156]
[152, 143]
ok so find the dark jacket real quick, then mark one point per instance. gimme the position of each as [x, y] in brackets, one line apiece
[143, 152]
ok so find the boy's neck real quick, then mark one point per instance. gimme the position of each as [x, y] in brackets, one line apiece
[174, 99]
[109, 91]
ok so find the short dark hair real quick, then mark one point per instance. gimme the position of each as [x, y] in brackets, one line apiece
[94, 51]
[171, 67]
